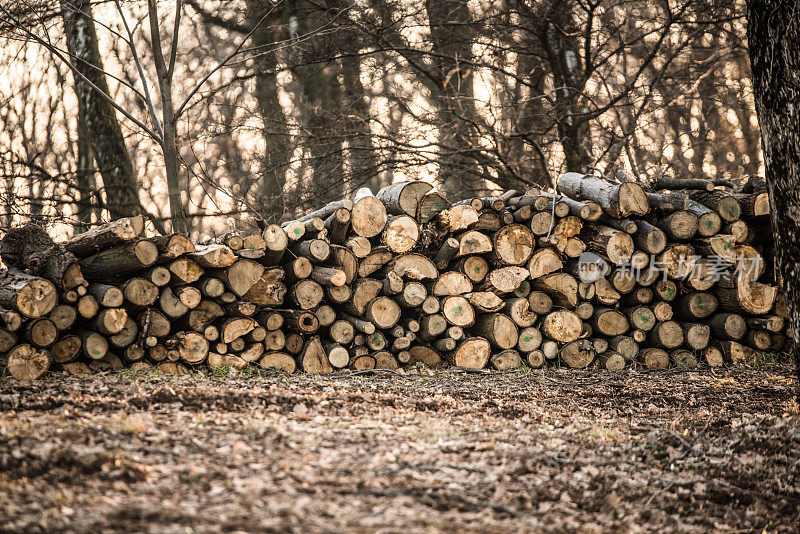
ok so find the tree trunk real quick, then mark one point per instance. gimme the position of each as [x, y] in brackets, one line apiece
[774, 39]
[275, 129]
[169, 147]
[559, 38]
[318, 98]
[451, 39]
[84, 176]
[357, 123]
[105, 135]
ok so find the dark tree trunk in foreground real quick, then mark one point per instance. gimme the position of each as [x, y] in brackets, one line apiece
[773, 34]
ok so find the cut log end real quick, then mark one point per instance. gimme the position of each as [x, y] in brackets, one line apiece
[26, 362]
[473, 353]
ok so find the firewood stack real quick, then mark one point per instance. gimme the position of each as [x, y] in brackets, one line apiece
[612, 274]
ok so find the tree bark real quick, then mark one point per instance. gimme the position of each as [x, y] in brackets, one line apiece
[169, 147]
[84, 176]
[773, 34]
[558, 36]
[451, 39]
[105, 134]
[275, 129]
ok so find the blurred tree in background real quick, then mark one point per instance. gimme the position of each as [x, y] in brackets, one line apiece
[278, 106]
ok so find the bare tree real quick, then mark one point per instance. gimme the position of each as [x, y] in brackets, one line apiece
[165, 71]
[477, 96]
[82, 57]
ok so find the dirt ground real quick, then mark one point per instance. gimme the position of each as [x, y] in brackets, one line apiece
[551, 451]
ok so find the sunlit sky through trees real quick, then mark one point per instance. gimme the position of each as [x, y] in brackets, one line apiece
[316, 99]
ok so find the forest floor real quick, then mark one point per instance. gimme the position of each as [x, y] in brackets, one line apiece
[543, 451]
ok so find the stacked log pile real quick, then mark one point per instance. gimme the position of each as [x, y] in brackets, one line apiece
[595, 272]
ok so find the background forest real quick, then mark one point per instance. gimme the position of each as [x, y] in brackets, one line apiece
[254, 111]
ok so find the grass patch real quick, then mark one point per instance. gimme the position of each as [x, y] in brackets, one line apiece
[223, 370]
[771, 358]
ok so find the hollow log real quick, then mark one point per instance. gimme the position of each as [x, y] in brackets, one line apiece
[29, 295]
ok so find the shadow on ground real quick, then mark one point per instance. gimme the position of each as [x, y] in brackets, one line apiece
[551, 451]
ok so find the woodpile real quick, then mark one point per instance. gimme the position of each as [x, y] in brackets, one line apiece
[610, 274]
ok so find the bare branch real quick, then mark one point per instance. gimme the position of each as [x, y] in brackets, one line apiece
[55, 51]
[147, 99]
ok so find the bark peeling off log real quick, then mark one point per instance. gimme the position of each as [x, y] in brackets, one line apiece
[617, 200]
